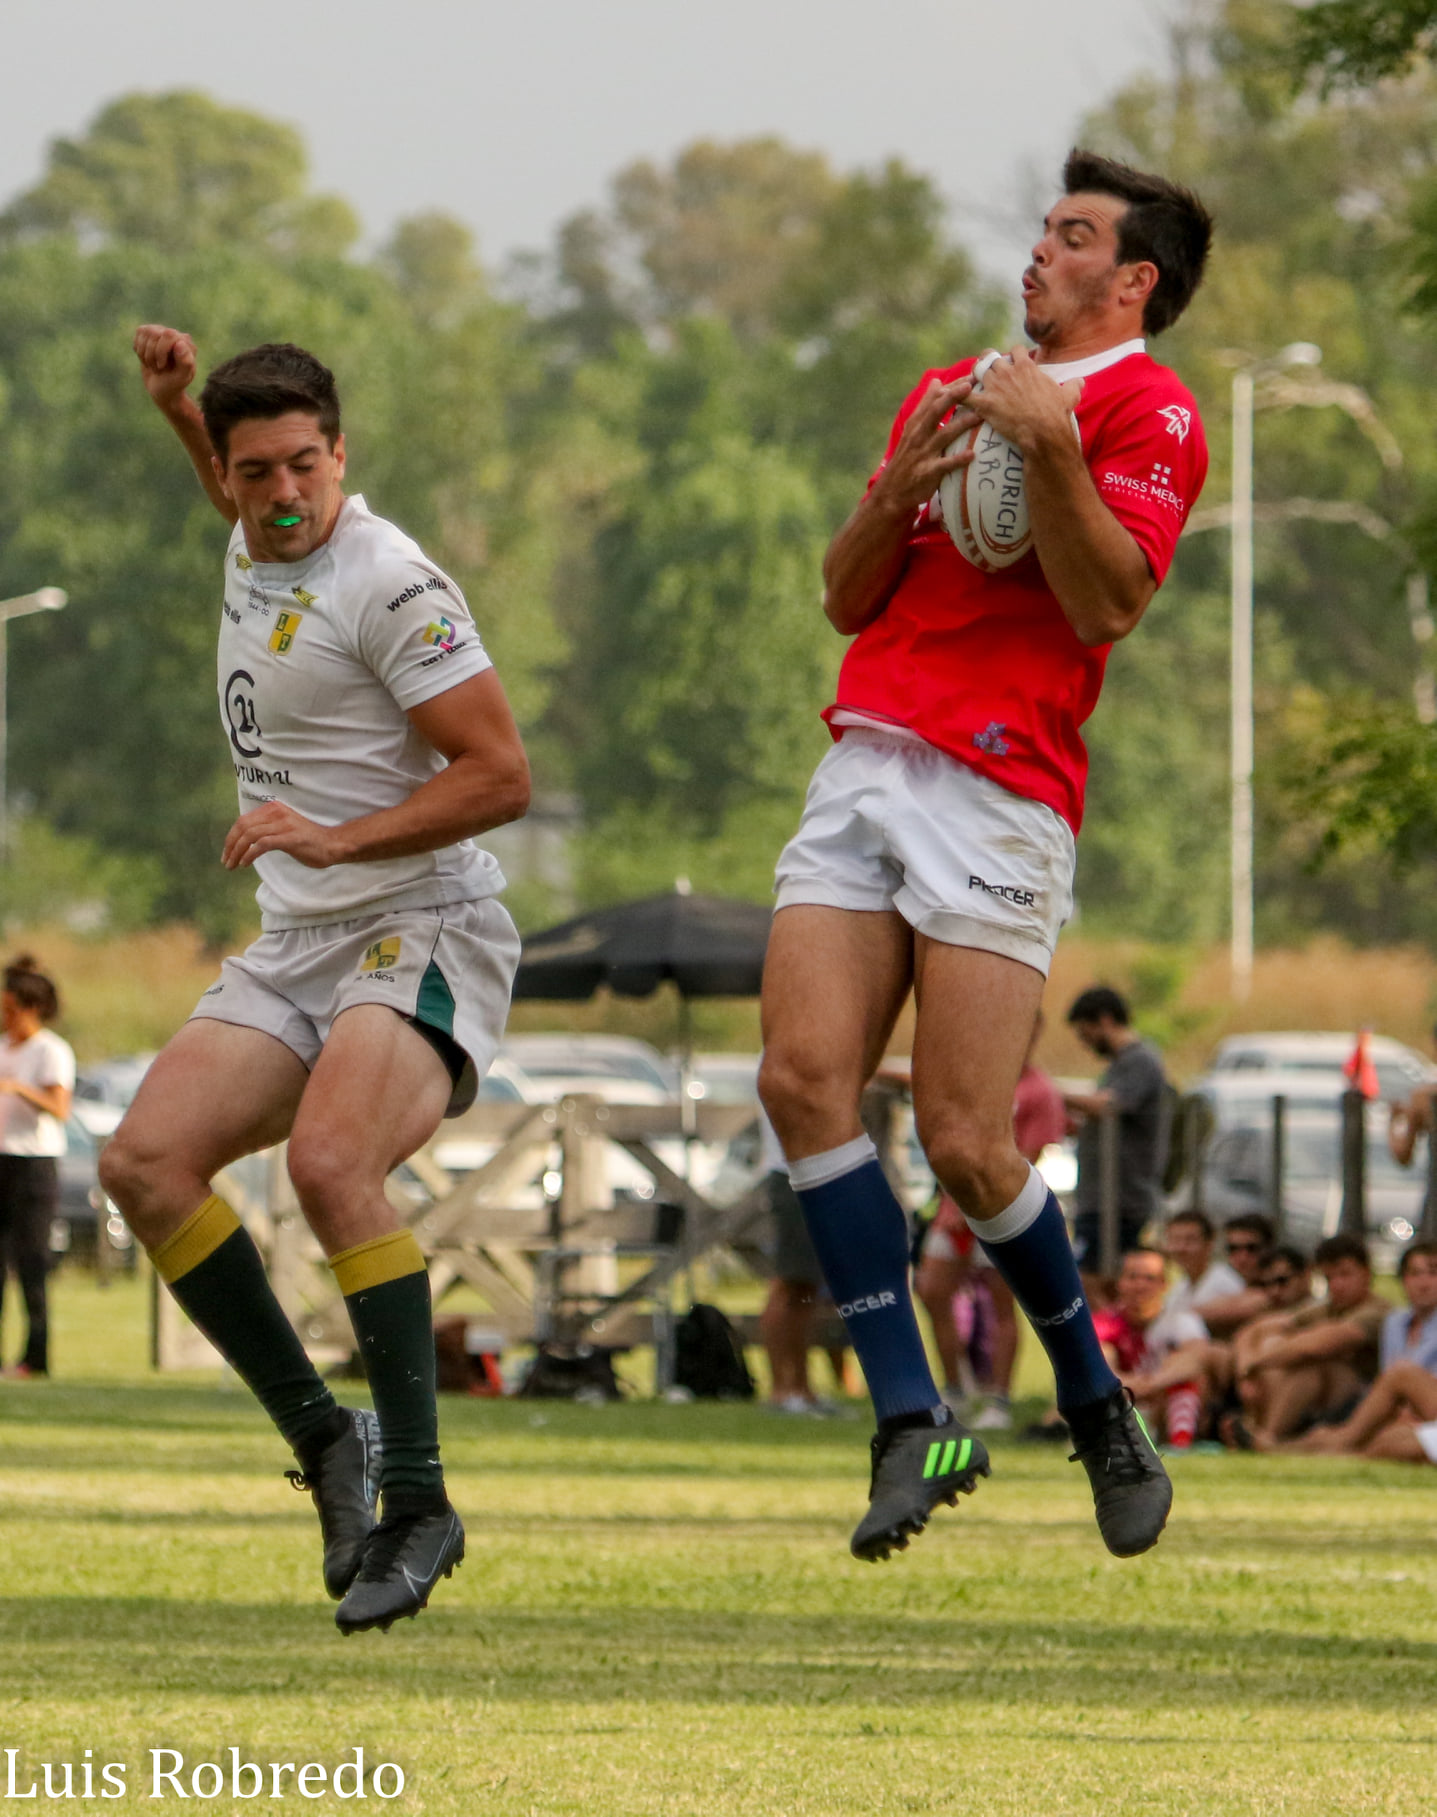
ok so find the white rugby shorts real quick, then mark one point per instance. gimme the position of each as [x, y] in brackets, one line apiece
[451, 968]
[893, 823]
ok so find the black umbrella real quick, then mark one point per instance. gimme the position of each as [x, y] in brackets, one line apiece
[707, 946]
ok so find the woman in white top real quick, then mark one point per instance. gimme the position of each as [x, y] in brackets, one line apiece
[37, 1080]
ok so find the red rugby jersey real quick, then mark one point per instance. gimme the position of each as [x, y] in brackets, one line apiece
[985, 666]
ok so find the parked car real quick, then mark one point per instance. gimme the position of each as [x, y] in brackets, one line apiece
[1323, 1056]
[86, 1216]
[723, 1078]
[540, 1069]
[616, 1068]
[105, 1091]
[1236, 1172]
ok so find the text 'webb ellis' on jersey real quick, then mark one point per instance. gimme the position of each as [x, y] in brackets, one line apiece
[319, 663]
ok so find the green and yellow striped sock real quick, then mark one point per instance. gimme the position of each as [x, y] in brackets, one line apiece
[211, 1266]
[386, 1289]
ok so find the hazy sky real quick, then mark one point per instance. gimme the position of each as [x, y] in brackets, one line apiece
[511, 116]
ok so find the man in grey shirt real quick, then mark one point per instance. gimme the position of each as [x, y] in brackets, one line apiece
[1134, 1087]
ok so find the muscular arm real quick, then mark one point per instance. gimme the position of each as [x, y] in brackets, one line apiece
[865, 560]
[168, 365]
[1098, 574]
[1316, 1344]
[1185, 1364]
[485, 784]
[1222, 1316]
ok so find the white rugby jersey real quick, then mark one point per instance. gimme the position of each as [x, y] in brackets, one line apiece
[319, 661]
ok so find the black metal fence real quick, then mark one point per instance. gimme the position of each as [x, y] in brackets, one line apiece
[1191, 1137]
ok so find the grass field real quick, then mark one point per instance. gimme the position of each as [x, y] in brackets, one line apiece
[658, 1615]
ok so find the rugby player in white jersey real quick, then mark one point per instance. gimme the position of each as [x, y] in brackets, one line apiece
[936, 846]
[371, 742]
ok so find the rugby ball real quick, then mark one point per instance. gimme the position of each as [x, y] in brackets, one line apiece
[984, 504]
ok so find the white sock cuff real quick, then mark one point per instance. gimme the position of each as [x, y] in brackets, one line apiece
[832, 1164]
[1013, 1219]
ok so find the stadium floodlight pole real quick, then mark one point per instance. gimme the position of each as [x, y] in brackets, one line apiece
[46, 599]
[1300, 353]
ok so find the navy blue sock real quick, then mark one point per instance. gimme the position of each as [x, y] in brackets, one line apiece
[1028, 1244]
[861, 1236]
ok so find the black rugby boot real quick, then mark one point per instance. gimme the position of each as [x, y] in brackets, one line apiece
[406, 1556]
[915, 1468]
[344, 1482]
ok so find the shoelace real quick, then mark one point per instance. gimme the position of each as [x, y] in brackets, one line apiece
[1122, 1446]
[298, 1480]
[384, 1545]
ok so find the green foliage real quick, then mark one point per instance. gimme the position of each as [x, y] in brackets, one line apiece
[1359, 41]
[1152, 860]
[1373, 780]
[179, 171]
[47, 876]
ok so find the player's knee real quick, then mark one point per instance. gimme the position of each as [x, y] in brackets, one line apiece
[322, 1172]
[968, 1157]
[791, 1090]
[127, 1173]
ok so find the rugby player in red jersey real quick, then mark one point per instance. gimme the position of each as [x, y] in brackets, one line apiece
[936, 846]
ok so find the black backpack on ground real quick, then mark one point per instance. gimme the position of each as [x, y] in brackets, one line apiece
[708, 1358]
[559, 1373]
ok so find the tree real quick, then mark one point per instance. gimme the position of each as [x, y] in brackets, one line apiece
[179, 171]
[1356, 42]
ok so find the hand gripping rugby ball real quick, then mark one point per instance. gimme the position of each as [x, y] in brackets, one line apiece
[984, 503]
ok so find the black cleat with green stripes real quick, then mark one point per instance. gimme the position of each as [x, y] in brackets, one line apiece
[914, 1469]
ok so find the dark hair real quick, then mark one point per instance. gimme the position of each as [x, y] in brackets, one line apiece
[1143, 1249]
[1198, 1219]
[1164, 224]
[1413, 1252]
[268, 381]
[1284, 1252]
[1341, 1248]
[1097, 1001]
[30, 988]
[1254, 1223]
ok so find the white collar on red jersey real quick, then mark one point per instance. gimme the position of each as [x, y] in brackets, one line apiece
[1062, 370]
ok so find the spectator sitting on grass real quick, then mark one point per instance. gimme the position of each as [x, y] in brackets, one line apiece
[1246, 1240]
[1156, 1352]
[1202, 1278]
[1397, 1417]
[1317, 1363]
[1282, 1285]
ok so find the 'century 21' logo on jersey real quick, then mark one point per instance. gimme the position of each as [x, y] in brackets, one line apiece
[239, 711]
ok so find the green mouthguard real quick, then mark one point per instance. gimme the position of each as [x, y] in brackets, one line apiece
[285, 523]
